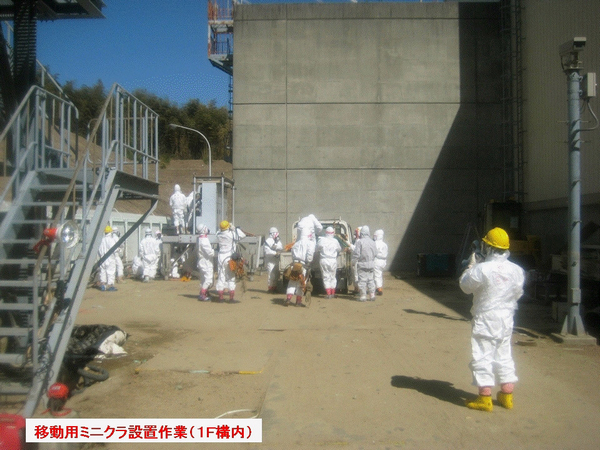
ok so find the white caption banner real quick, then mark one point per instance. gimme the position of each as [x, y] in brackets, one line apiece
[144, 430]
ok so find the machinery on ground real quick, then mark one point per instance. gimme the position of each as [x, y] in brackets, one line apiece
[344, 273]
[211, 201]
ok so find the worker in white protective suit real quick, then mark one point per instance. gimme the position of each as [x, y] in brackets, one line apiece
[137, 267]
[120, 274]
[309, 226]
[205, 262]
[354, 270]
[329, 248]
[150, 254]
[108, 268]
[363, 256]
[496, 285]
[227, 238]
[303, 252]
[179, 204]
[272, 249]
[380, 261]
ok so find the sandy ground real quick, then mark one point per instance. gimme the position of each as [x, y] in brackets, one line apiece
[386, 374]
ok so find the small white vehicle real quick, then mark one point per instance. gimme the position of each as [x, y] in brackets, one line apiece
[344, 274]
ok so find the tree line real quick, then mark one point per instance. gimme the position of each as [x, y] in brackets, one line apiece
[174, 143]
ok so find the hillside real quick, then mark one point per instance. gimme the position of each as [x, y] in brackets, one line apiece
[176, 172]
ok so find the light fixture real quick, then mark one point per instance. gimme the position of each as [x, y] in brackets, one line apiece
[67, 233]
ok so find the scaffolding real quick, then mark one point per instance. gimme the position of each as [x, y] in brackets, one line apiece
[512, 101]
[220, 34]
[220, 45]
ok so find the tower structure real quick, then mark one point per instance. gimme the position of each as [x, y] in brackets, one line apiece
[18, 58]
[220, 39]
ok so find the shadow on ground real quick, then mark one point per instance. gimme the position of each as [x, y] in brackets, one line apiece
[434, 314]
[442, 390]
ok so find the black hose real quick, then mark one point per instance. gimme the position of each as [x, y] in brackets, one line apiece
[92, 372]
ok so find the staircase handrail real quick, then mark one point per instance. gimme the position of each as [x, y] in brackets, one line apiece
[103, 170]
[31, 95]
[17, 112]
[17, 172]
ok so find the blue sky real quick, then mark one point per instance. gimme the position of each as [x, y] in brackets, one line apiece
[157, 45]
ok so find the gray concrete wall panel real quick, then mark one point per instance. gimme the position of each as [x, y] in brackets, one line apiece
[373, 60]
[389, 10]
[372, 135]
[260, 136]
[261, 78]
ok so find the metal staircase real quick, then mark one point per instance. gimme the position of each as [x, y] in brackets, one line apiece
[42, 281]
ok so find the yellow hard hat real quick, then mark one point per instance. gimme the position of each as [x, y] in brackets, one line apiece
[498, 238]
[224, 225]
[108, 229]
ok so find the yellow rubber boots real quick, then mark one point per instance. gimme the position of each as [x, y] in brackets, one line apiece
[481, 403]
[505, 400]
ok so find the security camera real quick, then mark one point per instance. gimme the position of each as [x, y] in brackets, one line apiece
[574, 45]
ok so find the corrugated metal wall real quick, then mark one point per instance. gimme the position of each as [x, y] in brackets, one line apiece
[546, 25]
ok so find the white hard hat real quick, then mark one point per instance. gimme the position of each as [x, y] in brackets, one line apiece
[378, 234]
[273, 230]
[364, 230]
[148, 231]
[329, 230]
[177, 188]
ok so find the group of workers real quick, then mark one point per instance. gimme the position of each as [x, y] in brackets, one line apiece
[144, 265]
[495, 283]
[228, 260]
[369, 258]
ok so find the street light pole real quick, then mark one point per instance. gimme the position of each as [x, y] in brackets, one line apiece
[572, 64]
[173, 125]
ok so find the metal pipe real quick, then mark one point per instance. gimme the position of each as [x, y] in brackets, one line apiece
[573, 323]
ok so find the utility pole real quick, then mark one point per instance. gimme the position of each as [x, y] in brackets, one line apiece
[572, 64]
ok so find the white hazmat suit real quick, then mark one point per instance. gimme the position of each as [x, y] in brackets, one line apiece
[205, 262]
[119, 257]
[108, 269]
[150, 254]
[309, 226]
[227, 240]
[178, 203]
[303, 252]
[363, 256]
[137, 267]
[271, 249]
[329, 248]
[380, 260]
[496, 285]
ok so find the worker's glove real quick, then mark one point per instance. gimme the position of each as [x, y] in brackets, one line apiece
[472, 260]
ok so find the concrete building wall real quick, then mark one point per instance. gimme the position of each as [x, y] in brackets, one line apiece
[386, 114]
[546, 25]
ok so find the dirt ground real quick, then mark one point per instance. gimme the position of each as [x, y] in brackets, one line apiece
[386, 374]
